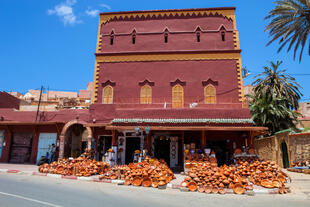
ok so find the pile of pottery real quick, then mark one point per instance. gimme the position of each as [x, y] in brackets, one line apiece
[300, 164]
[207, 177]
[300, 167]
[117, 172]
[150, 172]
[81, 166]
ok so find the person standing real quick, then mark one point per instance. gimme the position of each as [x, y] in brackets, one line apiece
[52, 153]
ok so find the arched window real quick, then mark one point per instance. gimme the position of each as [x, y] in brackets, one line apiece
[210, 94]
[223, 36]
[133, 40]
[107, 96]
[146, 94]
[112, 38]
[166, 37]
[198, 36]
[177, 96]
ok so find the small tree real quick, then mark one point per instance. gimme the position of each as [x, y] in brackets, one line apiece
[272, 112]
[275, 99]
[278, 84]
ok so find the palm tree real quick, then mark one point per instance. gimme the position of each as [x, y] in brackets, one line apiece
[272, 112]
[278, 84]
[290, 22]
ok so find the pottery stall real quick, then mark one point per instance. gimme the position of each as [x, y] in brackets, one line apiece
[246, 174]
[81, 166]
[150, 172]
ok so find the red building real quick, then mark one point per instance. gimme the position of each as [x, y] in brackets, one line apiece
[164, 80]
[9, 101]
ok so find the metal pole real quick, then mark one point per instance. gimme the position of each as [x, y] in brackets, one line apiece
[39, 103]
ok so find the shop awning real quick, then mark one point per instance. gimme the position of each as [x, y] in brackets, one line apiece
[192, 128]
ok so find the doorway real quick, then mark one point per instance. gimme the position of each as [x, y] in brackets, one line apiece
[74, 145]
[105, 143]
[132, 144]
[284, 155]
[162, 149]
[221, 151]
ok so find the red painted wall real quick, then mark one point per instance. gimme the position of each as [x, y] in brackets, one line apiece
[181, 35]
[9, 101]
[128, 75]
[35, 130]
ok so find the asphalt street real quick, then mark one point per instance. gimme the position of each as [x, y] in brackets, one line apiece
[24, 190]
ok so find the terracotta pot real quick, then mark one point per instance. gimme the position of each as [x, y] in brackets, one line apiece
[215, 190]
[192, 186]
[277, 183]
[238, 188]
[281, 178]
[267, 183]
[127, 182]
[238, 151]
[222, 191]
[208, 189]
[154, 184]
[136, 181]
[146, 182]
[226, 182]
[201, 189]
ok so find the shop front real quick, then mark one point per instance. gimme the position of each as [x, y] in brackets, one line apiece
[171, 142]
[130, 146]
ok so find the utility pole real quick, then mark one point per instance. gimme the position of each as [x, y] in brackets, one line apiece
[39, 103]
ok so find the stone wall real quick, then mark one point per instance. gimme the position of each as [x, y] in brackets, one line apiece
[298, 147]
[264, 148]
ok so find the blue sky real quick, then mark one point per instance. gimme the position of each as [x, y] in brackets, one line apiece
[52, 42]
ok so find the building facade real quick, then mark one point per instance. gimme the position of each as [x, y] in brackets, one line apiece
[164, 81]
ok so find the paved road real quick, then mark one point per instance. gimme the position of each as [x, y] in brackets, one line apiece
[24, 190]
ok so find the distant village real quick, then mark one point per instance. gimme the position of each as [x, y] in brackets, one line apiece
[49, 100]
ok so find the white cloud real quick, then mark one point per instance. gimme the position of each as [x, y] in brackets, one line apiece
[106, 6]
[92, 12]
[65, 11]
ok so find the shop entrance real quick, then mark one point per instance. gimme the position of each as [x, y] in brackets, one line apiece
[221, 151]
[75, 140]
[132, 144]
[105, 143]
[162, 149]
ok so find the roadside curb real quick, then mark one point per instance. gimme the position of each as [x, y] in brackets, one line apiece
[71, 177]
[13, 171]
[3, 170]
[118, 182]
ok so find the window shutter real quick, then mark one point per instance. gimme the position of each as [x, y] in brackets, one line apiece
[210, 94]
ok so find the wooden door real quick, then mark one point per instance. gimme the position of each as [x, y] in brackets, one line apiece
[21, 148]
